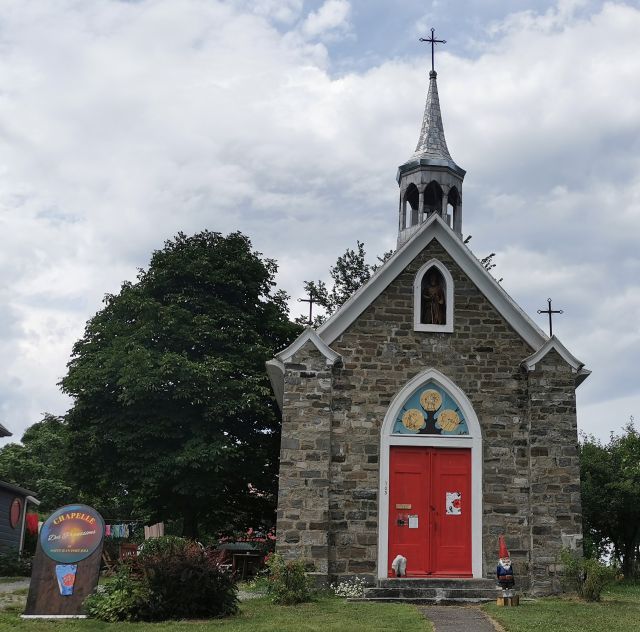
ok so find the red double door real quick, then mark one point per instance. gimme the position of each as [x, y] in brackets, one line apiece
[430, 510]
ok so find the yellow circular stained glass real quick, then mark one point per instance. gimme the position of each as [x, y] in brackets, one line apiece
[413, 420]
[448, 420]
[431, 400]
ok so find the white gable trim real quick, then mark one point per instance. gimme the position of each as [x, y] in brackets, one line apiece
[275, 371]
[309, 335]
[275, 367]
[553, 343]
[434, 228]
[417, 298]
[581, 376]
[473, 441]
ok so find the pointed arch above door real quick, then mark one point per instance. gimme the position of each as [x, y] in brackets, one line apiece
[431, 388]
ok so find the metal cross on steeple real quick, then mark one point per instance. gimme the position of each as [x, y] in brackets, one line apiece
[433, 42]
[550, 311]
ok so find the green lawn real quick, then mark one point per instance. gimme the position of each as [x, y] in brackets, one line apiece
[619, 611]
[11, 580]
[257, 615]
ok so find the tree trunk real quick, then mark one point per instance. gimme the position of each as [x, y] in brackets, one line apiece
[190, 524]
[628, 560]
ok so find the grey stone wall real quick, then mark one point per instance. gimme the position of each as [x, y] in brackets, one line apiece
[303, 526]
[556, 512]
[332, 421]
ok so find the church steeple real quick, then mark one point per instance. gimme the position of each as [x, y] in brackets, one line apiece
[430, 181]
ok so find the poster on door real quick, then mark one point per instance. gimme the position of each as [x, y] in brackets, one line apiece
[454, 503]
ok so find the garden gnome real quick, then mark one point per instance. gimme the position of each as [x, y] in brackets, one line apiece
[399, 566]
[504, 571]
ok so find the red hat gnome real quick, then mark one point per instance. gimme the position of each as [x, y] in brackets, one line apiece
[504, 571]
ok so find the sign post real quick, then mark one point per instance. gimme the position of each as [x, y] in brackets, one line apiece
[67, 563]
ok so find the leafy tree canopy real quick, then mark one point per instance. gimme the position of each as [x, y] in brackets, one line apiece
[350, 272]
[172, 407]
[610, 485]
[40, 462]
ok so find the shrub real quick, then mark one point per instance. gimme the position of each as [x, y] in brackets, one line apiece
[172, 578]
[124, 598]
[187, 582]
[165, 545]
[352, 588]
[588, 577]
[288, 582]
[14, 565]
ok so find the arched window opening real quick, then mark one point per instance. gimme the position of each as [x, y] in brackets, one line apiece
[433, 298]
[433, 198]
[453, 201]
[412, 204]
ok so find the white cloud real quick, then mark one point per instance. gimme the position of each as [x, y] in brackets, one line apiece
[122, 123]
[286, 11]
[332, 16]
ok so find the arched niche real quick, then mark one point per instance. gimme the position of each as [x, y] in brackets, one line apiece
[469, 436]
[433, 302]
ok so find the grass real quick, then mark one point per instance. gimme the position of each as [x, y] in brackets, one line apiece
[11, 580]
[327, 614]
[619, 610]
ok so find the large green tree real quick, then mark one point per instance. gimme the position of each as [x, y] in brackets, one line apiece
[172, 408]
[40, 462]
[610, 475]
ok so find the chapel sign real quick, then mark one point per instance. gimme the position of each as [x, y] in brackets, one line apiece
[72, 533]
[67, 562]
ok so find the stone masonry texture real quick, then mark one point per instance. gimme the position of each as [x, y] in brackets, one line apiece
[332, 417]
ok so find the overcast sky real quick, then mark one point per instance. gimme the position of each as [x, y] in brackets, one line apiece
[122, 123]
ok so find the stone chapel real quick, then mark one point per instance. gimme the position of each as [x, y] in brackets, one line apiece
[429, 414]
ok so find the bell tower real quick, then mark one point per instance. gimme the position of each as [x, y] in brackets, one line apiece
[430, 181]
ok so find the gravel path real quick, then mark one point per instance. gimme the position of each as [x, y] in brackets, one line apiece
[16, 585]
[243, 595]
[458, 619]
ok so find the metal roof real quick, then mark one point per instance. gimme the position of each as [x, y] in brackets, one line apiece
[432, 146]
[16, 490]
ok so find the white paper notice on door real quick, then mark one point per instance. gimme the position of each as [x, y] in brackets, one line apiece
[454, 503]
[413, 521]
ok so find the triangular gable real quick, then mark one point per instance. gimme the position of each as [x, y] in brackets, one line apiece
[529, 364]
[434, 228]
[275, 367]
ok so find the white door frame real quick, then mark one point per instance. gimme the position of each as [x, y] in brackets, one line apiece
[473, 441]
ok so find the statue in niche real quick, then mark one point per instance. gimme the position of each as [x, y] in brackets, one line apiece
[434, 306]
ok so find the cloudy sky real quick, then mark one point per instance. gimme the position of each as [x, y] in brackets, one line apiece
[124, 122]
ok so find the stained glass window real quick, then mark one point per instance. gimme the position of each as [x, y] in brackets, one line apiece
[431, 410]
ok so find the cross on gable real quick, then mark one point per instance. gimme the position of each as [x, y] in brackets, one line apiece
[311, 303]
[550, 311]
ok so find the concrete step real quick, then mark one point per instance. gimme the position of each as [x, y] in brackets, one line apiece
[434, 591]
[437, 582]
[431, 593]
[426, 601]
